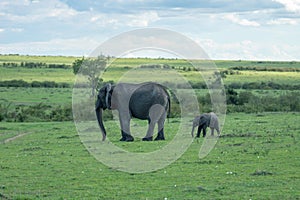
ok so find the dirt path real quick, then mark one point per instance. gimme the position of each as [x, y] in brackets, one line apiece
[15, 137]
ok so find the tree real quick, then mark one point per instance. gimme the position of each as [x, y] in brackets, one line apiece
[77, 64]
[92, 68]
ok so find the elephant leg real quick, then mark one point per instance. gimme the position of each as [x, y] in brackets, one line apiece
[149, 135]
[155, 113]
[212, 130]
[199, 131]
[204, 131]
[126, 137]
[125, 128]
[218, 131]
[160, 124]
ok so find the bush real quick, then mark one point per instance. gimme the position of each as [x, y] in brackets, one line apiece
[244, 97]
[231, 96]
[262, 86]
[14, 83]
[35, 113]
[152, 66]
[61, 113]
[22, 83]
[247, 102]
[265, 68]
[34, 65]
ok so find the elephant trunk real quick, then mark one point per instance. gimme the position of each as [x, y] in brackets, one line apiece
[193, 131]
[100, 122]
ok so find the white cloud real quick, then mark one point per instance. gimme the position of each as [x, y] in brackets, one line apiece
[142, 19]
[290, 5]
[283, 21]
[249, 50]
[2, 30]
[24, 11]
[71, 47]
[139, 20]
[18, 30]
[235, 18]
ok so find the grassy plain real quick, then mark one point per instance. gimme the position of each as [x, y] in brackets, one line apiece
[39, 74]
[67, 76]
[117, 67]
[27, 96]
[290, 78]
[256, 158]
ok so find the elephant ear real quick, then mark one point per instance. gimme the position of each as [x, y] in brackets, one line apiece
[108, 90]
[202, 120]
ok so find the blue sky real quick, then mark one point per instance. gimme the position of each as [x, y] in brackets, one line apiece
[225, 29]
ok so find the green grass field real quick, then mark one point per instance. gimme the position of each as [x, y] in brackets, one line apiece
[28, 96]
[29, 75]
[264, 76]
[118, 67]
[256, 158]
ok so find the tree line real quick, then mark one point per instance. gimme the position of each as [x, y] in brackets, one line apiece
[34, 65]
[195, 85]
[260, 68]
[38, 84]
[246, 101]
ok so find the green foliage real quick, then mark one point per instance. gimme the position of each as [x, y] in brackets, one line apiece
[263, 86]
[31, 65]
[265, 68]
[231, 96]
[77, 64]
[35, 113]
[92, 68]
[246, 101]
[44, 84]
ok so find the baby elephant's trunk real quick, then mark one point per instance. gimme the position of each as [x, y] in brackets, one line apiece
[193, 131]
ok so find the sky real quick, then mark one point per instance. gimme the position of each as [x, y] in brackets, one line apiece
[225, 29]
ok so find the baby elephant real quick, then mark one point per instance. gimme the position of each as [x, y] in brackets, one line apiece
[206, 120]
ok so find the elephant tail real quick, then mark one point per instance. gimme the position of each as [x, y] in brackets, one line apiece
[169, 100]
[169, 108]
[167, 90]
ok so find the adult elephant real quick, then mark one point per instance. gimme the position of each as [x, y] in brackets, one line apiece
[147, 101]
[206, 120]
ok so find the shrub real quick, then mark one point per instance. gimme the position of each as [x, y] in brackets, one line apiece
[35, 113]
[22, 83]
[231, 96]
[244, 97]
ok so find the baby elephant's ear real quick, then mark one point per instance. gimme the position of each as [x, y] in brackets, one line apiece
[108, 87]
